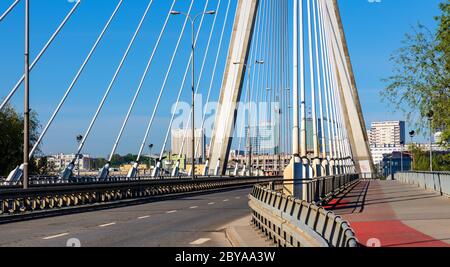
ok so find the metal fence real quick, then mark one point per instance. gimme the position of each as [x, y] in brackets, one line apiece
[434, 181]
[319, 190]
[43, 198]
[55, 180]
[290, 222]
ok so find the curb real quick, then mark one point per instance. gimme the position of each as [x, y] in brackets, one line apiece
[234, 238]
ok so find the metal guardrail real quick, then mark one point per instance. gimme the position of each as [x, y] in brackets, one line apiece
[55, 180]
[290, 222]
[435, 181]
[320, 190]
[38, 198]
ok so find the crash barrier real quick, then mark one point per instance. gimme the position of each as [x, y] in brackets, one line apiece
[291, 222]
[37, 180]
[434, 181]
[42, 198]
[319, 190]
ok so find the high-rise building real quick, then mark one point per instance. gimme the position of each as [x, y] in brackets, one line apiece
[180, 135]
[385, 138]
[60, 161]
[264, 138]
[387, 133]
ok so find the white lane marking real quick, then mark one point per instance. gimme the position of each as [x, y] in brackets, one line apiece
[194, 207]
[55, 236]
[226, 200]
[106, 225]
[172, 211]
[144, 217]
[200, 241]
[211, 203]
[238, 197]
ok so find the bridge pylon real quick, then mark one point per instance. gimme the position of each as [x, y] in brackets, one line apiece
[232, 84]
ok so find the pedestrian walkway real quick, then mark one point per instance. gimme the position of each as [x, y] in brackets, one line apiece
[391, 214]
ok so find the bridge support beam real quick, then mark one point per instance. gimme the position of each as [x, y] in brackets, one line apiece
[176, 169]
[349, 97]
[232, 84]
[293, 184]
[104, 172]
[206, 170]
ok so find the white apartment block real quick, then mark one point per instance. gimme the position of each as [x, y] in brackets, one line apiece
[386, 137]
[387, 133]
[264, 137]
[61, 161]
[182, 142]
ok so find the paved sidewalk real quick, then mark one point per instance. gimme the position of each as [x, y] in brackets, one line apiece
[241, 233]
[392, 214]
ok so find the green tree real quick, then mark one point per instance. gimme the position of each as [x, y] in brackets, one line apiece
[11, 139]
[421, 160]
[421, 75]
[43, 166]
[98, 163]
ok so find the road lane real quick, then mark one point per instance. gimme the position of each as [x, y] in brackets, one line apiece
[172, 223]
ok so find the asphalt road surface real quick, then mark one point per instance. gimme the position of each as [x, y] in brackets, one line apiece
[189, 222]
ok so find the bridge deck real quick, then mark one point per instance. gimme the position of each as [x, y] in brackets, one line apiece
[397, 215]
[197, 221]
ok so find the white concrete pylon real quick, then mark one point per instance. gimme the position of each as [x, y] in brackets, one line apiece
[176, 170]
[232, 83]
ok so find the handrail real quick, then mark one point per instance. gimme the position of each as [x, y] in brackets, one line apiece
[290, 222]
[434, 181]
[428, 172]
[15, 201]
[320, 190]
[37, 181]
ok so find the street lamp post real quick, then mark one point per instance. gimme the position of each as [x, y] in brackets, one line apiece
[79, 139]
[412, 134]
[430, 116]
[249, 99]
[391, 166]
[402, 143]
[26, 115]
[150, 147]
[193, 20]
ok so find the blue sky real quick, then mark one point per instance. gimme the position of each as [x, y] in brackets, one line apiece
[374, 31]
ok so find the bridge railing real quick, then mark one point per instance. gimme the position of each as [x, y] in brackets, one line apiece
[58, 198]
[55, 180]
[434, 181]
[290, 222]
[320, 190]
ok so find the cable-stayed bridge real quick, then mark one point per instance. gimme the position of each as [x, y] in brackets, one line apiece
[286, 91]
